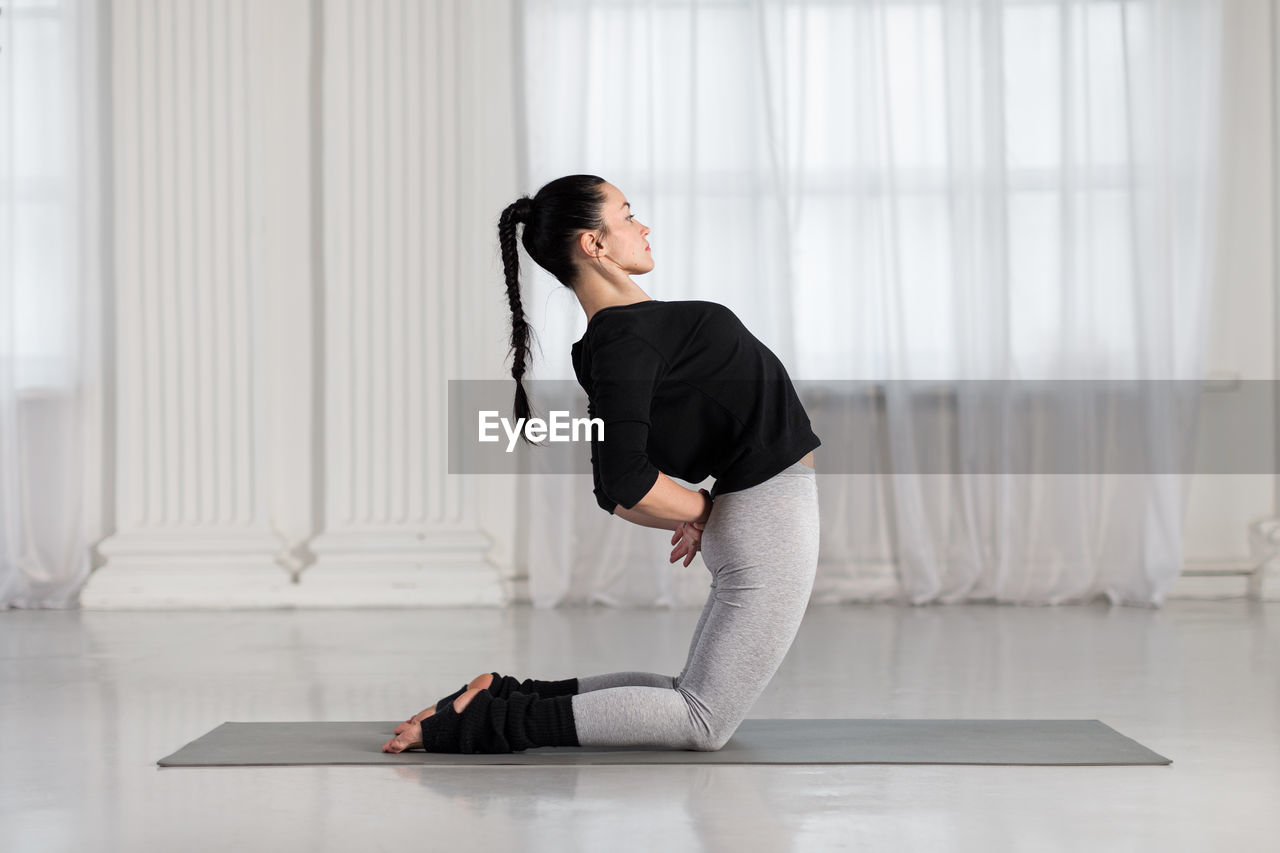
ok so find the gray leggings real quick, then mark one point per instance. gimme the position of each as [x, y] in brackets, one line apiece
[761, 547]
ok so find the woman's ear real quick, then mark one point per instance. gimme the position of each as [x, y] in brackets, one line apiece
[591, 244]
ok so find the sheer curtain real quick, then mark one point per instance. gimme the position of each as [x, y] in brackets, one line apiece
[51, 101]
[886, 191]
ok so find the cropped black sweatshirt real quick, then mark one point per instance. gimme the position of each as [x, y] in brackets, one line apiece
[684, 388]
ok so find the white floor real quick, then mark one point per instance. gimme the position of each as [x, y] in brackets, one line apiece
[89, 701]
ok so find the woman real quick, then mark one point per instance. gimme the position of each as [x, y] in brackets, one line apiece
[681, 387]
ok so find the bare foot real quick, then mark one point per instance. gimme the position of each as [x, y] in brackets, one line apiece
[411, 737]
[482, 681]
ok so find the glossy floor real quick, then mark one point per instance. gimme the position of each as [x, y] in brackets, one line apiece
[89, 701]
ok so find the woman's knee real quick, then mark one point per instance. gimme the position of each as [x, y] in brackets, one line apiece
[709, 731]
[712, 739]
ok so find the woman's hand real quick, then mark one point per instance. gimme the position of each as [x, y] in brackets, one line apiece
[688, 539]
[706, 507]
[688, 534]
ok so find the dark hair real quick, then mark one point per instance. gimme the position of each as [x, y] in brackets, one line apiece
[553, 219]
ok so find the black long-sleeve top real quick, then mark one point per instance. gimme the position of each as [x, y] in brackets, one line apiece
[684, 388]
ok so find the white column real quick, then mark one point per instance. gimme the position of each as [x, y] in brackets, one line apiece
[395, 521]
[193, 161]
[294, 247]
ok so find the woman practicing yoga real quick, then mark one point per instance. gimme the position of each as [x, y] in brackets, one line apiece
[683, 388]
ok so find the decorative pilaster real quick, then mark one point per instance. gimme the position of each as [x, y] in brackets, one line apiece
[394, 519]
[282, 375]
[194, 515]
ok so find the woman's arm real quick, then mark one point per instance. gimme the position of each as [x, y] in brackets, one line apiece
[637, 517]
[670, 501]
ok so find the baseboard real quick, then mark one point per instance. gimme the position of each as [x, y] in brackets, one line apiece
[238, 587]
[1210, 586]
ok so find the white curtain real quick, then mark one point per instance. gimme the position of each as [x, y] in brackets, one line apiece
[888, 191]
[51, 101]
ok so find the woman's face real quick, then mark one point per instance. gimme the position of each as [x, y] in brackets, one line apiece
[625, 244]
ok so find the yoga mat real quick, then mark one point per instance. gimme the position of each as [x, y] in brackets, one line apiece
[876, 741]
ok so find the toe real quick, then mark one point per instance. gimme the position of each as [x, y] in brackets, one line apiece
[408, 739]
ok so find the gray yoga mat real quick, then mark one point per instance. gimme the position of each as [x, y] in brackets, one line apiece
[876, 741]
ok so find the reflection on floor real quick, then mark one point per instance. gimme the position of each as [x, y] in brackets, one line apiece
[89, 701]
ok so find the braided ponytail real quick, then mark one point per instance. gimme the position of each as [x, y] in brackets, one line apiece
[517, 212]
[552, 219]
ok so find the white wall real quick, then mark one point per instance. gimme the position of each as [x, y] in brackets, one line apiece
[1242, 337]
[306, 196]
[226, 460]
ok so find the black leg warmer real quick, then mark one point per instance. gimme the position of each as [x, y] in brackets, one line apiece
[503, 686]
[492, 725]
[440, 703]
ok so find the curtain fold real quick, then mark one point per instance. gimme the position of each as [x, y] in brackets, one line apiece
[895, 192]
[51, 268]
